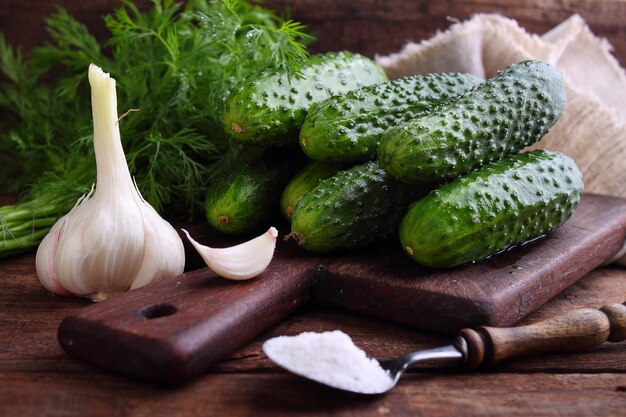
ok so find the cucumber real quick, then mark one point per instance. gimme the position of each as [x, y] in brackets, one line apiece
[270, 107]
[489, 210]
[247, 197]
[497, 118]
[349, 127]
[303, 182]
[356, 207]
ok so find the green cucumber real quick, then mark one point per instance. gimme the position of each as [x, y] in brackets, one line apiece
[269, 108]
[356, 207]
[498, 118]
[489, 210]
[349, 127]
[303, 182]
[247, 197]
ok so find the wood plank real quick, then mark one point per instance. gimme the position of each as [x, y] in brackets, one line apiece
[374, 27]
[50, 382]
[366, 26]
[29, 317]
[271, 394]
[385, 340]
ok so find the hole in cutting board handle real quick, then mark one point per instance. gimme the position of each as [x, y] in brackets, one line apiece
[156, 311]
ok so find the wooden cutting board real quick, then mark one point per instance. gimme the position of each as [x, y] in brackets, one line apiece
[173, 330]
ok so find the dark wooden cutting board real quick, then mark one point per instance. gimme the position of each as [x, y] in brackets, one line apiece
[173, 330]
[496, 292]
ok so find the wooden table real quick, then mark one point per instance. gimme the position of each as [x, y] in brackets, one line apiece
[38, 378]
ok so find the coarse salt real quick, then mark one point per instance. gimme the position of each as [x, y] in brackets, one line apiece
[329, 358]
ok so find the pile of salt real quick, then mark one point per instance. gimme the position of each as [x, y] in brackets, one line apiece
[330, 358]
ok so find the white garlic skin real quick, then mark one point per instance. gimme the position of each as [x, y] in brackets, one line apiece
[113, 240]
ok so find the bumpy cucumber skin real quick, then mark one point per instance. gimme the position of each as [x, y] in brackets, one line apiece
[348, 128]
[247, 198]
[489, 210]
[304, 181]
[270, 107]
[354, 208]
[497, 118]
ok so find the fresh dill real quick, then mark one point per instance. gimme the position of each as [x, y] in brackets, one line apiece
[174, 63]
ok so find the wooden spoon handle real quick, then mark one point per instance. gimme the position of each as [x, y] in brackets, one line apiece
[573, 331]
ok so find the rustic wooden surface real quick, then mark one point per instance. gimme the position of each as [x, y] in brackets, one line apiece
[177, 328]
[367, 26]
[38, 378]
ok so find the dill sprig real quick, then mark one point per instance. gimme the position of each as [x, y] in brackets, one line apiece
[174, 63]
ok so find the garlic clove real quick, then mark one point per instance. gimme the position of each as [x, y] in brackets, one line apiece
[163, 250]
[239, 262]
[44, 260]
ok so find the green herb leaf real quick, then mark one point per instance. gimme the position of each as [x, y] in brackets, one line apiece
[175, 64]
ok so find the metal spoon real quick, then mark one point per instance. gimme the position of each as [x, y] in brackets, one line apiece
[573, 331]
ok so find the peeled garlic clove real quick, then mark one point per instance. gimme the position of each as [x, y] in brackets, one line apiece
[239, 262]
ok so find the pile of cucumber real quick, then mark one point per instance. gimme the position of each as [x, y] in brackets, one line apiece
[434, 156]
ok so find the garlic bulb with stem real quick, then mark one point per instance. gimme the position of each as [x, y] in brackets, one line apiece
[112, 240]
[239, 262]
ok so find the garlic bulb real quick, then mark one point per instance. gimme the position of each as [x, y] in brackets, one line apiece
[239, 262]
[112, 240]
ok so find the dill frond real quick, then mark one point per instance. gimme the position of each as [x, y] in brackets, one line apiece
[177, 64]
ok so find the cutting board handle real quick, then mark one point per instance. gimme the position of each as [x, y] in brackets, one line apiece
[573, 331]
[174, 330]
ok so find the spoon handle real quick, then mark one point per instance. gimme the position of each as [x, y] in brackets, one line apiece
[573, 331]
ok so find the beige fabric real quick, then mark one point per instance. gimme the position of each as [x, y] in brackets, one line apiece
[592, 129]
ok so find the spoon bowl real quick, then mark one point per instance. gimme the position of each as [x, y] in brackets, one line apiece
[390, 369]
